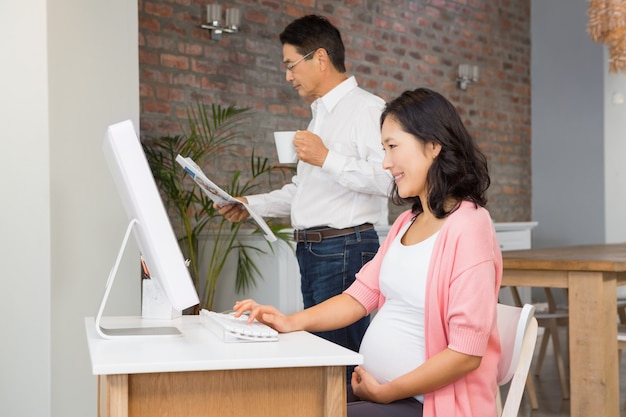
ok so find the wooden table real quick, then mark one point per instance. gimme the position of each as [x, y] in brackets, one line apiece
[591, 275]
[196, 374]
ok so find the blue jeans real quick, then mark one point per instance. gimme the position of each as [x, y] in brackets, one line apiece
[327, 268]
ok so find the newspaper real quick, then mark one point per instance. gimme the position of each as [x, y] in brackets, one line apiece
[219, 196]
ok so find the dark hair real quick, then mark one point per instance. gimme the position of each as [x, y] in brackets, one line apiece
[312, 32]
[460, 170]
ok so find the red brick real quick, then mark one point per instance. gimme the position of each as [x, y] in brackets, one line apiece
[160, 10]
[148, 58]
[155, 107]
[175, 61]
[145, 91]
[149, 24]
[169, 94]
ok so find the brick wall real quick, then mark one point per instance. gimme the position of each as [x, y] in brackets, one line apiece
[391, 46]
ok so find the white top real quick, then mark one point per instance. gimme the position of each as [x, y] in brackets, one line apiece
[351, 187]
[197, 349]
[394, 342]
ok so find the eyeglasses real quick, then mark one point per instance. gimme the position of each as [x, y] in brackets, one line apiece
[293, 64]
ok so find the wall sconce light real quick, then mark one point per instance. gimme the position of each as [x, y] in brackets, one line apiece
[214, 21]
[467, 74]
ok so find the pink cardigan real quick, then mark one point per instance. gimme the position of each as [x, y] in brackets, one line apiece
[460, 313]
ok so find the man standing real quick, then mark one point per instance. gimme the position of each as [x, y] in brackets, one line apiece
[340, 188]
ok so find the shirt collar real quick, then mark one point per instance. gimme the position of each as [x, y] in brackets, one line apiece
[330, 99]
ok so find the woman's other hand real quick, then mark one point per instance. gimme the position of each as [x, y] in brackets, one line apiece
[366, 387]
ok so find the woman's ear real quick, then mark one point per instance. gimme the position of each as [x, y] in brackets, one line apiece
[435, 149]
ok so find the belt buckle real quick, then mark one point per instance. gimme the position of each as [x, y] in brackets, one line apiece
[318, 237]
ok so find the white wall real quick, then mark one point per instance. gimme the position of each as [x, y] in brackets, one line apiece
[71, 70]
[567, 126]
[614, 153]
[579, 139]
[24, 212]
[94, 82]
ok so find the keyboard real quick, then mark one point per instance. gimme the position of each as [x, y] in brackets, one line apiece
[229, 328]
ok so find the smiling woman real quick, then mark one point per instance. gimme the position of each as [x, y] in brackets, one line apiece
[458, 170]
[407, 159]
[434, 281]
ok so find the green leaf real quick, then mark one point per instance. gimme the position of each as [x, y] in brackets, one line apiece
[211, 131]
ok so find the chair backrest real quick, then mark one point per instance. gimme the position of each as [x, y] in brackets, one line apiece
[517, 328]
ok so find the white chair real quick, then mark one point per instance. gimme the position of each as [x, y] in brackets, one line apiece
[556, 316]
[621, 311]
[517, 328]
[550, 320]
[621, 345]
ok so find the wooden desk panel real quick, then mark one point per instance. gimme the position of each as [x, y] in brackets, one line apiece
[303, 392]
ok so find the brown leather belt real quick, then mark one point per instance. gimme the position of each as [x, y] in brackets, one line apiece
[317, 235]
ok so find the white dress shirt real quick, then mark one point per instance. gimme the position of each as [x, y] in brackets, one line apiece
[351, 188]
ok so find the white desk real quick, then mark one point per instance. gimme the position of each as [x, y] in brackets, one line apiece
[196, 374]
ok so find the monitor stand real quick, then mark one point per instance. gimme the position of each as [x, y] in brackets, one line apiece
[109, 333]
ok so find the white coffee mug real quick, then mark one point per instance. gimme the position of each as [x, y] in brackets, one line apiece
[284, 147]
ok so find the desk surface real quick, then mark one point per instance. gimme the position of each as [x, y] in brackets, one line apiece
[197, 349]
[601, 258]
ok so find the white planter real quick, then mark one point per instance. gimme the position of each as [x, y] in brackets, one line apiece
[279, 283]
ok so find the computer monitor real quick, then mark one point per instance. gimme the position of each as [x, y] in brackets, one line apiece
[151, 226]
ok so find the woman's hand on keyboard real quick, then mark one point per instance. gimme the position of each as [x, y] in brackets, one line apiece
[266, 314]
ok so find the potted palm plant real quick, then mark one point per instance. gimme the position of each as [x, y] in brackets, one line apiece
[212, 132]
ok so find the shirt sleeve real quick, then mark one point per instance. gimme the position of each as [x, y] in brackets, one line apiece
[276, 203]
[474, 280]
[363, 173]
[473, 306]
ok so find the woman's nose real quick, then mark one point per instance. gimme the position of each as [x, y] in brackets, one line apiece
[386, 162]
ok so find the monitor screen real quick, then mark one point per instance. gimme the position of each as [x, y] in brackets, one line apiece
[143, 205]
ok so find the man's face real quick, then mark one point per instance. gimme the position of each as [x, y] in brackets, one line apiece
[301, 71]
